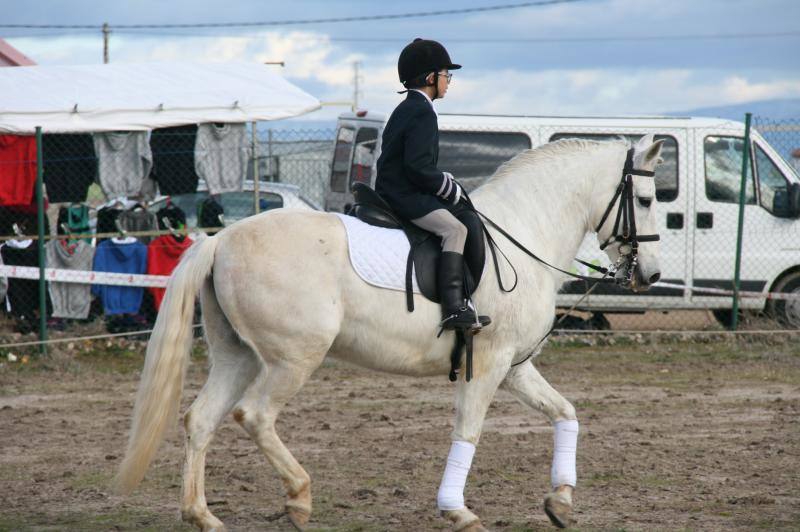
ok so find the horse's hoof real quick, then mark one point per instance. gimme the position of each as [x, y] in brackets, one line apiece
[558, 507]
[299, 517]
[204, 520]
[464, 521]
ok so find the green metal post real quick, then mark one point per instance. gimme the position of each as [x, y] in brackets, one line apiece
[740, 228]
[41, 213]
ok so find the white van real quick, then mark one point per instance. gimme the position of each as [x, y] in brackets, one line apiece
[697, 188]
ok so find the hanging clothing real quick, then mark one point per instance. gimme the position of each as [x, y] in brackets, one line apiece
[3, 282]
[106, 221]
[221, 155]
[163, 255]
[173, 213]
[25, 217]
[76, 218]
[70, 166]
[17, 169]
[138, 219]
[209, 212]
[70, 300]
[126, 256]
[124, 162]
[22, 298]
[173, 159]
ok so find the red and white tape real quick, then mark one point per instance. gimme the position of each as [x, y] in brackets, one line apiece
[85, 276]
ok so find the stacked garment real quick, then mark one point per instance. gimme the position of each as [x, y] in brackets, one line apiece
[173, 159]
[70, 300]
[120, 255]
[124, 163]
[17, 169]
[22, 297]
[221, 155]
[70, 166]
[163, 255]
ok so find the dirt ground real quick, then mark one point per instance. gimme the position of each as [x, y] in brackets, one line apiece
[676, 435]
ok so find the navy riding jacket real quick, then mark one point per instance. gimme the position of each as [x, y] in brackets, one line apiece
[407, 177]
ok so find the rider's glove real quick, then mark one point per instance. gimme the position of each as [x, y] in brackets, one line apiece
[450, 190]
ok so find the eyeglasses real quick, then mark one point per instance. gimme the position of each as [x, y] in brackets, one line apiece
[448, 76]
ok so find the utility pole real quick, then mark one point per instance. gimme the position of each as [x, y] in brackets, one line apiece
[356, 65]
[106, 31]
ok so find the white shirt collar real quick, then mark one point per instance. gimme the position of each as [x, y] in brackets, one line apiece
[427, 98]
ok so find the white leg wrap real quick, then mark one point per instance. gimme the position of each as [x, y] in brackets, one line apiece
[565, 445]
[451, 490]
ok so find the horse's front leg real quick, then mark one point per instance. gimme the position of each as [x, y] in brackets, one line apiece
[527, 385]
[472, 402]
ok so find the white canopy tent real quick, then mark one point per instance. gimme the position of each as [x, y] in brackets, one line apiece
[141, 96]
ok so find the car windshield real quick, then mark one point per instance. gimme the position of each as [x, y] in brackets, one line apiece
[236, 205]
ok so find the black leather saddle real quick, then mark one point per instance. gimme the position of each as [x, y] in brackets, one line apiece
[426, 248]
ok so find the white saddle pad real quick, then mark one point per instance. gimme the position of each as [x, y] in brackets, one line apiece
[378, 255]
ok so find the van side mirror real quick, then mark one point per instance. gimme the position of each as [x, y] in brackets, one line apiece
[786, 203]
[794, 199]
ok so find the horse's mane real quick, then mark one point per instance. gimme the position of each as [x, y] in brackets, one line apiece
[530, 159]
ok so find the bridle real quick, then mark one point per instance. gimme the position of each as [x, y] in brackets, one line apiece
[628, 239]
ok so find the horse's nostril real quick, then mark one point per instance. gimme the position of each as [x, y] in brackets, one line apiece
[654, 278]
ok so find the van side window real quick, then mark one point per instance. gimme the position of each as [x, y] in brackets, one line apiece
[723, 162]
[363, 155]
[341, 159]
[473, 156]
[771, 183]
[666, 172]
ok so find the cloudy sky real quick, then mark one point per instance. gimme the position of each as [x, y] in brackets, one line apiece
[669, 55]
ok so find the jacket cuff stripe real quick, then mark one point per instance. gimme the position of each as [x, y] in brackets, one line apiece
[445, 181]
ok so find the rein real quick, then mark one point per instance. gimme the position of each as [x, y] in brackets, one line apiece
[628, 237]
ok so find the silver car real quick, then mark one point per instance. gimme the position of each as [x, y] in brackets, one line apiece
[238, 205]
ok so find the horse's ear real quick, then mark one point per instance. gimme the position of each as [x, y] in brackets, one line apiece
[654, 151]
[644, 143]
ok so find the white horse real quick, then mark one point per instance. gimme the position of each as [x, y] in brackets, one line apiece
[279, 295]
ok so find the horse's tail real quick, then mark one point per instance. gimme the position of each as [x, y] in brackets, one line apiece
[158, 398]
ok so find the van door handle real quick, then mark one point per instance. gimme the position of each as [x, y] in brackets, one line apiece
[674, 220]
[705, 220]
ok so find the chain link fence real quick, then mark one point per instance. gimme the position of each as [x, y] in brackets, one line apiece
[121, 207]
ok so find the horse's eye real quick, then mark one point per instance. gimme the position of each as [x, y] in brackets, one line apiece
[645, 202]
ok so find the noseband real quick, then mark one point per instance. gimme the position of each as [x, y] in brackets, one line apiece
[627, 238]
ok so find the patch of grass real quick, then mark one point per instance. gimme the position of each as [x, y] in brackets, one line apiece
[94, 479]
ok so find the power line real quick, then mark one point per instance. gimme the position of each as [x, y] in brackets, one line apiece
[296, 22]
[510, 40]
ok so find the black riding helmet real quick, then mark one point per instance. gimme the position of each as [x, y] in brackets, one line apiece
[422, 57]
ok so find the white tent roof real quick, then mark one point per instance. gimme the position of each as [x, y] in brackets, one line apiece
[140, 96]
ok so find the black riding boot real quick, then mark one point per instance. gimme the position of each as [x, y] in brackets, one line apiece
[456, 312]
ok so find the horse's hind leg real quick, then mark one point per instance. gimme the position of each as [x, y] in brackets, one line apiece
[257, 412]
[233, 368]
[527, 385]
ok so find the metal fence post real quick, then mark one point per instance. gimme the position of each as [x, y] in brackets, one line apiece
[270, 171]
[254, 148]
[740, 228]
[41, 242]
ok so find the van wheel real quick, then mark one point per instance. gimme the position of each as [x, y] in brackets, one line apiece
[787, 311]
